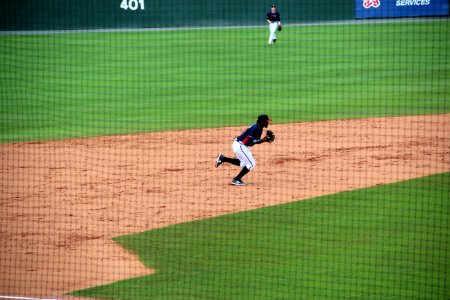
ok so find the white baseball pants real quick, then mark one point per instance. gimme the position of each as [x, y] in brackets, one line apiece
[273, 27]
[244, 155]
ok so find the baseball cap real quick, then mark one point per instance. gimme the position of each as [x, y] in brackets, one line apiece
[264, 118]
[273, 5]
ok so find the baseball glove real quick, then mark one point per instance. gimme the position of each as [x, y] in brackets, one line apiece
[280, 27]
[270, 136]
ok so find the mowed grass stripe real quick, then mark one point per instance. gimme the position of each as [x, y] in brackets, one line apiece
[386, 242]
[88, 84]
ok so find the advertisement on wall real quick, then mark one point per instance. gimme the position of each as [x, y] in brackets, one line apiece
[400, 8]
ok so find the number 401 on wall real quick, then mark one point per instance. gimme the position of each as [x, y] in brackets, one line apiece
[132, 4]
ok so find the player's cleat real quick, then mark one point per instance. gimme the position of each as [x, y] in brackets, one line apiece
[274, 41]
[237, 182]
[219, 160]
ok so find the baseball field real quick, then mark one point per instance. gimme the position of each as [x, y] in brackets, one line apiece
[108, 142]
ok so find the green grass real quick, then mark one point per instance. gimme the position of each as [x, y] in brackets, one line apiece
[386, 242]
[87, 84]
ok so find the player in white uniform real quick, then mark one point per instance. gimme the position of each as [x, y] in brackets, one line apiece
[274, 20]
[248, 138]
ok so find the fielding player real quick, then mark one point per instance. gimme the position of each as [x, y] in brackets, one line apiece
[274, 20]
[250, 137]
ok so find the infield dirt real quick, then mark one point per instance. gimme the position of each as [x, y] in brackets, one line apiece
[63, 201]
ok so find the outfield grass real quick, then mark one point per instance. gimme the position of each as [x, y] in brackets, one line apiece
[87, 84]
[386, 242]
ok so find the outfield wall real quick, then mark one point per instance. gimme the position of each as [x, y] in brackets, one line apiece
[94, 14]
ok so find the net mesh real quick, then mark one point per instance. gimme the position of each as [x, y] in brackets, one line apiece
[125, 126]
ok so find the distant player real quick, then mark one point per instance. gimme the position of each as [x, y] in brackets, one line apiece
[274, 20]
[251, 136]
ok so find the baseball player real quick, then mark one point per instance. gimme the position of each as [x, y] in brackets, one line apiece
[274, 20]
[250, 137]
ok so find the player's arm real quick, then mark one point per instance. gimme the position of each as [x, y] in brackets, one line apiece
[269, 138]
[254, 135]
[259, 141]
[268, 18]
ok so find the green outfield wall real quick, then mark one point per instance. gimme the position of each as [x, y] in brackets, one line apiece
[99, 14]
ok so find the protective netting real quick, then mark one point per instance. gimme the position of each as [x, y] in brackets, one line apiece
[125, 147]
